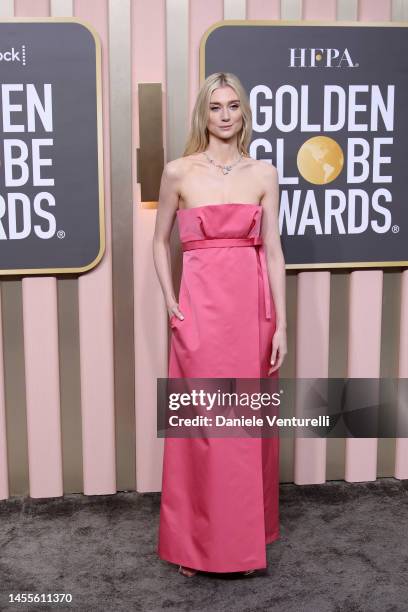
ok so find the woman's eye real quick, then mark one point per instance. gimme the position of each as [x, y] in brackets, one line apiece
[216, 107]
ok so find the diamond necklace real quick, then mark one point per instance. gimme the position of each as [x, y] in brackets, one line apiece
[225, 169]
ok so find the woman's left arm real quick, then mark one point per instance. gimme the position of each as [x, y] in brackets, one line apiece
[275, 259]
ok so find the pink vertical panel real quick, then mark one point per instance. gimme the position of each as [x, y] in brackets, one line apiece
[41, 359]
[364, 361]
[202, 15]
[151, 331]
[312, 361]
[313, 317]
[96, 311]
[365, 318]
[401, 451]
[4, 488]
[150, 318]
[31, 8]
[261, 9]
[316, 9]
[374, 10]
[4, 485]
[40, 322]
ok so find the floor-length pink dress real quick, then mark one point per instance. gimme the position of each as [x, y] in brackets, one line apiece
[219, 502]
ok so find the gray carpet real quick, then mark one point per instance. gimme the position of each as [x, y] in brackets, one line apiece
[343, 547]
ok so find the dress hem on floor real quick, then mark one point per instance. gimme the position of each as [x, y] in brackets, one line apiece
[235, 568]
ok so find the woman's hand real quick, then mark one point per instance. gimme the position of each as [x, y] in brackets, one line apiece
[279, 349]
[174, 309]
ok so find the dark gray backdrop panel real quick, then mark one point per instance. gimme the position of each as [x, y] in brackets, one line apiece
[259, 54]
[64, 55]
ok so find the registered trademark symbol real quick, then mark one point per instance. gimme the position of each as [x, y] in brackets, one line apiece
[356, 65]
[395, 229]
[281, 391]
[61, 234]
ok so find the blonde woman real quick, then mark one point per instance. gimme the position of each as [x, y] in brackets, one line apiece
[219, 503]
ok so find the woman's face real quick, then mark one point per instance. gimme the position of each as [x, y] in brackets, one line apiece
[225, 116]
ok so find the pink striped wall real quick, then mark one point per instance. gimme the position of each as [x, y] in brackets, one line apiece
[4, 485]
[41, 359]
[313, 308]
[96, 312]
[401, 454]
[148, 50]
[365, 318]
[150, 320]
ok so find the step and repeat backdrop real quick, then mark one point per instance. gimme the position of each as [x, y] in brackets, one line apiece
[94, 96]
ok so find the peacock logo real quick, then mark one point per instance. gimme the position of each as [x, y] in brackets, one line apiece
[14, 55]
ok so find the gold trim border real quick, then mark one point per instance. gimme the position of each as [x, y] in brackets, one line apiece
[301, 22]
[99, 121]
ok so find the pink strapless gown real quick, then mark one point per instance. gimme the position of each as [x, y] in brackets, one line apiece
[219, 502]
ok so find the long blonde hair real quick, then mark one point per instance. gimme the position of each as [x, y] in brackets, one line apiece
[198, 137]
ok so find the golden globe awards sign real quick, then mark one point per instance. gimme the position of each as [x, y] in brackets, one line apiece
[51, 182]
[330, 111]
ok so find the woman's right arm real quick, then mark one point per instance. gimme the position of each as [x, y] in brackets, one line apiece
[166, 214]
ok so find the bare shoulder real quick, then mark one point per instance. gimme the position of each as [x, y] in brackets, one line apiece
[265, 169]
[174, 168]
[265, 174]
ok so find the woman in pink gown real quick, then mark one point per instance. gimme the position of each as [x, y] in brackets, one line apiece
[219, 503]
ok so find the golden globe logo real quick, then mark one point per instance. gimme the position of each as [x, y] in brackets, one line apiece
[320, 160]
[316, 57]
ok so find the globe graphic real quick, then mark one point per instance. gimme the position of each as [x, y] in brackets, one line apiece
[320, 160]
